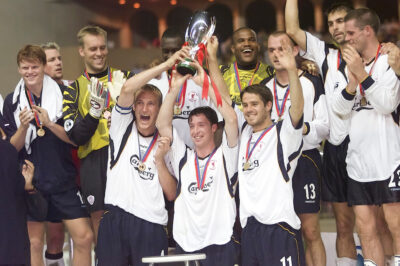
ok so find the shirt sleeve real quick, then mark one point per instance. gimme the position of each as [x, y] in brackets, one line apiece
[121, 117]
[9, 124]
[315, 50]
[383, 91]
[291, 140]
[231, 160]
[318, 128]
[79, 129]
[177, 152]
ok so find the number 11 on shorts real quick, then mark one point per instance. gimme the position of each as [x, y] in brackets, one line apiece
[288, 259]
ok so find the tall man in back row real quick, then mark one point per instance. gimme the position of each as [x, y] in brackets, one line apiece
[331, 66]
[84, 121]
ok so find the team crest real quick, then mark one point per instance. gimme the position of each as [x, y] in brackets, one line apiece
[193, 97]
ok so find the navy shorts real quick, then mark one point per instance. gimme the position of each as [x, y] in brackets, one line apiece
[93, 175]
[221, 255]
[66, 205]
[376, 192]
[307, 182]
[125, 239]
[276, 244]
[335, 177]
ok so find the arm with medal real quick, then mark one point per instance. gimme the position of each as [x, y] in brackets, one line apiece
[57, 129]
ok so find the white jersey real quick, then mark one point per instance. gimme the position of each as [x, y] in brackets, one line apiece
[192, 99]
[331, 66]
[137, 192]
[374, 148]
[266, 185]
[204, 217]
[316, 115]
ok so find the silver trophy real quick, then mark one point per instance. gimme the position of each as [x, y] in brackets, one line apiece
[200, 28]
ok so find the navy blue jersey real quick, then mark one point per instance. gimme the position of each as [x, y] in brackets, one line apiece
[54, 168]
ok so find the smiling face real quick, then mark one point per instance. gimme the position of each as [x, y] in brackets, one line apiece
[245, 47]
[336, 25]
[54, 66]
[201, 130]
[146, 108]
[32, 72]
[255, 112]
[94, 53]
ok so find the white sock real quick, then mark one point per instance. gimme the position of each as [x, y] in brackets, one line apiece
[54, 259]
[396, 259]
[344, 261]
[389, 261]
[369, 263]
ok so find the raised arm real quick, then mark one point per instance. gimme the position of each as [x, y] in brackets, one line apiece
[215, 73]
[226, 110]
[164, 119]
[287, 60]
[292, 24]
[126, 97]
[393, 52]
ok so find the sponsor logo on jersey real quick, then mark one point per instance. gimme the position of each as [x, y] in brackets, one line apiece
[253, 164]
[146, 174]
[194, 189]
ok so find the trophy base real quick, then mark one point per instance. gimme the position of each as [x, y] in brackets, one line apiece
[185, 68]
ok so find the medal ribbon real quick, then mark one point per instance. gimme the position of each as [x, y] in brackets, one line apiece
[280, 109]
[180, 100]
[200, 182]
[339, 59]
[152, 143]
[235, 67]
[109, 77]
[372, 67]
[32, 102]
[250, 152]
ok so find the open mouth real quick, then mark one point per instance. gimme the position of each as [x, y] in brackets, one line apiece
[247, 51]
[145, 117]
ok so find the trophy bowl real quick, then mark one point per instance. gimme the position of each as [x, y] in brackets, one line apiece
[200, 28]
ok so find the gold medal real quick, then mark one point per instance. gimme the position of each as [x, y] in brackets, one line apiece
[177, 110]
[142, 166]
[363, 101]
[40, 132]
[246, 165]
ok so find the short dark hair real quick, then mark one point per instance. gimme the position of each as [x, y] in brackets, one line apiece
[150, 88]
[281, 32]
[241, 29]
[364, 17]
[338, 6]
[207, 111]
[173, 32]
[262, 91]
[31, 53]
